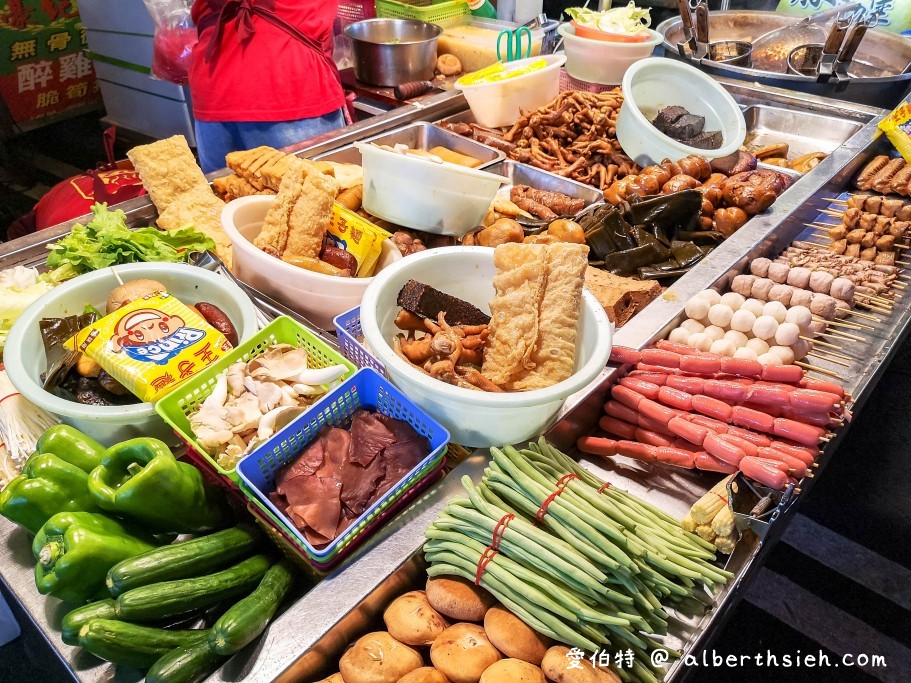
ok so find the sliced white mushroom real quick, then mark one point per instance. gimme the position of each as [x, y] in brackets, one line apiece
[318, 375]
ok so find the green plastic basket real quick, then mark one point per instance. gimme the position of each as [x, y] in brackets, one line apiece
[423, 10]
[177, 405]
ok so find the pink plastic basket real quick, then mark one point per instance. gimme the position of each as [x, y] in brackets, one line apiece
[350, 11]
[567, 82]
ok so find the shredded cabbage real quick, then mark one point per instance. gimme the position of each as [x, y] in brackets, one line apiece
[627, 20]
[19, 287]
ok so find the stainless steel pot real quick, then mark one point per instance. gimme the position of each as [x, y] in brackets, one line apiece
[389, 52]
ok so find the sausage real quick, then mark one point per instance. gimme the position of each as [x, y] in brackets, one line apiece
[741, 367]
[752, 419]
[700, 365]
[687, 431]
[807, 455]
[755, 468]
[661, 357]
[597, 445]
[822, 385]
[655, 411]
[882, 181]
[657, 368]
[675, 398]
[339, 258]
[748, 447]
[654, 377]
[782, 373]
[621, 412]
[673, 456]
[636, 450]
[730, 392]
[651, 438]
[797, 466]
[219, 320]
[681, 349]
[709, 463]
[612, 425]
[769, 395]
[691, 385]
[627, 397]
[865, 177]
[774, 411]
[723, 450]
[812, 401]
[642, 387]
[624, 354]
[712, 407]
[804, 434]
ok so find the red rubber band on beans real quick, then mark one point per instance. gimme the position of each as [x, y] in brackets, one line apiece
[486, 558]
[562, 482]
[606, 485]
[499, 530]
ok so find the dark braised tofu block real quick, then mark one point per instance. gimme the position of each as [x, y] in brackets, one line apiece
[710, 139]
[687, 126]
[427, 302]
[668, 116]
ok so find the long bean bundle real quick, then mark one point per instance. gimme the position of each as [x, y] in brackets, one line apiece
[578, 560]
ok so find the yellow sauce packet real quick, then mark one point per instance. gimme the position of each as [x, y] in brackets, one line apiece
[897, 127]
[358, 236]
[152, 344]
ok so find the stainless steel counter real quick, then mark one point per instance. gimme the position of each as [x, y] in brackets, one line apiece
[315, 629]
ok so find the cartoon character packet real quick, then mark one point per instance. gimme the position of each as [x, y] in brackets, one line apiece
[152, 344]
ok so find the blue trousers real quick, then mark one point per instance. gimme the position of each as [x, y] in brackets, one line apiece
[214, 139]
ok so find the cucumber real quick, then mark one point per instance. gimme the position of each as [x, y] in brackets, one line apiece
[79, 617]
[186, 664]
[244, 621]
[170, 598]
[182, 560]
[132, 645]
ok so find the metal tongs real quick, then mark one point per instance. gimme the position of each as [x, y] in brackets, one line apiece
[689, 33]
[831, 48]
[849, 48]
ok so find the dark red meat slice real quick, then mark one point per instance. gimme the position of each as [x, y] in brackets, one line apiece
[307, 463]
[369, 437]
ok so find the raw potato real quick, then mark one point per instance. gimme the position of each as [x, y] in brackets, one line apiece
[378, 658]
[556, 668]
[511, 636]
[512, 671]
[462, 652]
[457, 598]
[130, 291]
[411, 620]
[334, 678]
[448, 65]
[426, 674]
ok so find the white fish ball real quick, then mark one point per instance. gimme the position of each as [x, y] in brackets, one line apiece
[679, 335]
[776, 309]
[742, 320]
[738, 339]
[745, 352]
[754, 306]
[700, 341]
[697, 308]
[800, 316]
[709, 295]
[769, 359]
[785, 353]
[714, 332]
[758, 346]
[692, 326]
[723, 347]
[733, 300]
[720, 315]
[787, 334]
[765, 327]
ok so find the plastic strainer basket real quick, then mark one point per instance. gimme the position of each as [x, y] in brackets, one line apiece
[177, 406]
[348, 329]
[423, 10]
[368, 390]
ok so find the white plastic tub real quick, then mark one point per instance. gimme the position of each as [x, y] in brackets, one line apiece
[601, 61]
[26, 360]
[445, 199]
[473, 418]
[501, 103]
[655, 83]
[317, 296]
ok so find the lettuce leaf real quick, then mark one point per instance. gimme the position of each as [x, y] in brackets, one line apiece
[19, 287]
[107, 241]
[629, 20]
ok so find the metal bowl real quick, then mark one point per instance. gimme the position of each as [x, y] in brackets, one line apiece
[736, 52]
[389, 52]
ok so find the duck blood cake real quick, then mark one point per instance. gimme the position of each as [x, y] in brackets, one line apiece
[682, 126]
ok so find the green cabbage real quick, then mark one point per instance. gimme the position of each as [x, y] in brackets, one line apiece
[19, 287]
[626, 20]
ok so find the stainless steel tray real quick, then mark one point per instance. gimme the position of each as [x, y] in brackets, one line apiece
[420, 135]
[804, 132]
[522, 174]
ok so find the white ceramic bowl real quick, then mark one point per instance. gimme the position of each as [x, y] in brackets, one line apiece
[501, 103]
[407, 190]
[654, 83]
[25, 359]
[602, 61]
[317, 296]
[474, 418]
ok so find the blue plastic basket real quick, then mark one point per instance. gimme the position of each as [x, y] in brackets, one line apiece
[366, 389]
[348, 329]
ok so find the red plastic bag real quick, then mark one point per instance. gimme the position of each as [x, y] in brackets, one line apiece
[175, 37]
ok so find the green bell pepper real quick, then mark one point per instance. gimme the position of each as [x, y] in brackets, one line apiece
[71, 445]
[47, 485]
[75, 550]
[142, 480]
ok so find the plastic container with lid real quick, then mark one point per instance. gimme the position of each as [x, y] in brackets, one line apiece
[501, 103]
[601, 61]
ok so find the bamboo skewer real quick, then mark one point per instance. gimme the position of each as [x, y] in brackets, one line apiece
[832, 354]
[866, 316]
[843, 323]
[816, 342]
[834, 361]
[808, 366]
[843, 335]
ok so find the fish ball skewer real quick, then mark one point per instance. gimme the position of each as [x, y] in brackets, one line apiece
[765, 327]
[775, 309]
[720, 315]
[732, 300]
[743, 319]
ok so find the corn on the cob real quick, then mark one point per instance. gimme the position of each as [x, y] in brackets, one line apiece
[723, 524]
[688, 523]
[707, 507]
[705, 532]
[725, 544]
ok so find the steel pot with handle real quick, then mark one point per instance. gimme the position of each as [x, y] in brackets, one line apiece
[389, 52]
